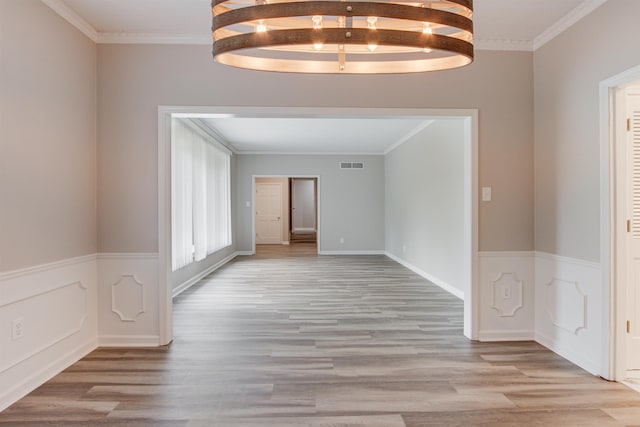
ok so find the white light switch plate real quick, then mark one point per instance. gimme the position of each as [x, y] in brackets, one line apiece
[486, 194]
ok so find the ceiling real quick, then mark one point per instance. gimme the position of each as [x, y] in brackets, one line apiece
[498, 24]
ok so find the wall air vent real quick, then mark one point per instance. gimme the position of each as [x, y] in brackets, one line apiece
[351, 165]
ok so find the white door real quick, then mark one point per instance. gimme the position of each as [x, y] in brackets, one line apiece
[268, 213]
[304, 206]
[633, 235]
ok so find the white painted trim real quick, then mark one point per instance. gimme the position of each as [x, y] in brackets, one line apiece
[494, 336]
[304, 153]
[436, 281]
[574, 357]
[45, 267]
[567, 260]
[73, 18]
[413, 132]
[566, 22]
[129, 341]
[245, 253]
[165, 300]
[195, 279]
[285, 242]
[366, 252]
[15, 392]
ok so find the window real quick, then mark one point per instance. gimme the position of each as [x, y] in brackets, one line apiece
[200, 194]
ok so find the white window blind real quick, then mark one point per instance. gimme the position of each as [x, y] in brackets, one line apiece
[200, 195]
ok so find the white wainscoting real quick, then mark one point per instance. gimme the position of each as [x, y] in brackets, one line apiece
[569, 317]
[128, 300]
[57, 306]
[507, 296]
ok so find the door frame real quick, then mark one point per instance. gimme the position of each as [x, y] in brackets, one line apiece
[253, 203]
[471, 207]
[613, 227]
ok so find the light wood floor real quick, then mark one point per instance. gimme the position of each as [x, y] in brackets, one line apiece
[325, 341]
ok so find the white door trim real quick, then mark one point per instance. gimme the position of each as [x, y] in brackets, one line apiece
[613, 366]
[253, 204]
[471, 292]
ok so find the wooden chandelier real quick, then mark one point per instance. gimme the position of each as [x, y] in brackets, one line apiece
[353, 37]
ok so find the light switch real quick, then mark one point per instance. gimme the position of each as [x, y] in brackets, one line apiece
[486, 194]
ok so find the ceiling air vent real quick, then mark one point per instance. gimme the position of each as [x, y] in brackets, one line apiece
[351, 165]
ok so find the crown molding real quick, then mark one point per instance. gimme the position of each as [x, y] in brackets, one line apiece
[153, 38]
[73, 18]
[566, 22]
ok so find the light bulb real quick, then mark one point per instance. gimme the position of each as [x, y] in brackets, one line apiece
[317, 22]
[261, 27]
[318, 46]
[372, 46]
[426, 29]
[427, 50]
[371, 22]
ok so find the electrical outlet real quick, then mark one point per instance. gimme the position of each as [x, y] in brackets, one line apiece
[17, 329]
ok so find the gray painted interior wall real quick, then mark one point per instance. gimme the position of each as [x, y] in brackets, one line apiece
[47, 137]
[135, 79]
[424, 201]
[567, 73]
[351, 202]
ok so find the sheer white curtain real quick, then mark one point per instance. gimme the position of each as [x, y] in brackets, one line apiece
[200, 193]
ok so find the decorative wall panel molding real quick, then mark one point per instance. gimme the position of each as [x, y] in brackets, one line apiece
[127, 297]
[507, 294]
[48, 318]
[566, 305]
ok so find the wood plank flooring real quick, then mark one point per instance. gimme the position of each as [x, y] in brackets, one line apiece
[303, 340]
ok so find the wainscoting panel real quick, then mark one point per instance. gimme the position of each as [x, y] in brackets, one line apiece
[569, 315]
[506, 296]
[128, 299]
[48, 320]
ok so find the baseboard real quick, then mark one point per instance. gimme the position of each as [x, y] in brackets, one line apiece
[285, 242]
[436, 281]
[350, 252]
[129, 341]
[304, 230]
[245, 253]
[195, 279]
[573, 357]
[493, 336]
[35, 380]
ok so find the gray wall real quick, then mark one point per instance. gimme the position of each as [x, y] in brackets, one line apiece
[568, 71]
[135, 79]
[424, 201]
[351, 202]
[47, 137]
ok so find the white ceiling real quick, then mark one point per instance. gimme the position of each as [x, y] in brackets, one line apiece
[318, 135]
[498, 24]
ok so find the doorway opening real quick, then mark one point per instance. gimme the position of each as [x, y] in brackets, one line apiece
[286, 212]
[468, 117]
